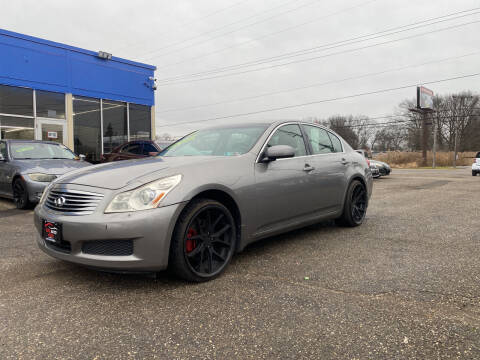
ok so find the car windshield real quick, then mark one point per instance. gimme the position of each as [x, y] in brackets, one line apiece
[216, 142]
[33, 150]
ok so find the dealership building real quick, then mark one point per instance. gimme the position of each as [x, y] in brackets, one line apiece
[90, 101]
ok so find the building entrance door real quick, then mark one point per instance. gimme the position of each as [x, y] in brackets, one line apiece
[51, 130]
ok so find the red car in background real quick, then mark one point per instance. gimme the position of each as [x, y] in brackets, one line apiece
[132, 150]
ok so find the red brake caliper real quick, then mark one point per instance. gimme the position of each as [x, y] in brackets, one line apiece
[190, 243]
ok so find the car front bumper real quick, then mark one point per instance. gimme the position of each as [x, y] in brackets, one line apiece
[149, 231]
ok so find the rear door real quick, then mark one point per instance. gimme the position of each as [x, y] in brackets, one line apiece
[328, 179]
[282, 185]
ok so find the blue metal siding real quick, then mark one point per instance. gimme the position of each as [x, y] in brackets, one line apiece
[44, 65]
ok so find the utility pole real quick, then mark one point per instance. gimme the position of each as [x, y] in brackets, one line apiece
[424, 138]
[424, 106]
[455, 145]
[434, 157]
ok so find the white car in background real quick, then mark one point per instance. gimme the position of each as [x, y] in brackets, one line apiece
[476, 165]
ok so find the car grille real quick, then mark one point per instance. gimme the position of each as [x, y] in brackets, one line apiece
[108, 247]
[72, 202]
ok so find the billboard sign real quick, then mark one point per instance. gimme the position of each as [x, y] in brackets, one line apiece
[424, 98]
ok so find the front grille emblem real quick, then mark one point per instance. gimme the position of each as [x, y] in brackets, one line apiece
[59, 201]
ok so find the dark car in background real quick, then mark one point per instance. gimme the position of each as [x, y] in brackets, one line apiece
[27, 167]
[132, 150]
[383, 168]
[476, 165]
[378, 168]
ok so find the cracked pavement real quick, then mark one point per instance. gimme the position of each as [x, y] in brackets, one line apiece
[404, 285]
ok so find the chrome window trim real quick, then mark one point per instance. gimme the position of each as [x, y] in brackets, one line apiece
[270, 136]
[257, 161]
[328, 131]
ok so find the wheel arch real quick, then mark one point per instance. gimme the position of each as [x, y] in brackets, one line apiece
[225, 198]
[352, 179]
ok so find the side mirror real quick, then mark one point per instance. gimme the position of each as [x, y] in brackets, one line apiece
[278, 152]
[81, 157]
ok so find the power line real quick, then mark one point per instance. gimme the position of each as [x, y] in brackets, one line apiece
[170, 81]
[213, 13]
[264, 36]
[329, 46]
[397, 122]
[323, 100]
[251, 97]
[228, 32]
[323, 56]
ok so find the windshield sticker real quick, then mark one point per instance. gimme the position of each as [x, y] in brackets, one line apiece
[25, 148]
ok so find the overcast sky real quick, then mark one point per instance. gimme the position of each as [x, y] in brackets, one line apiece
[186, 37]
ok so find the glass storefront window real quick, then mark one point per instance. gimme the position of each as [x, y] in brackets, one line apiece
[87, 127]
[16, 128]
[114, 124]
[16, 100]
[140, 122]
[50, 104]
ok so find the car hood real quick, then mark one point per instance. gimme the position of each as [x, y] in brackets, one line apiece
[50, 166]
[116, 175]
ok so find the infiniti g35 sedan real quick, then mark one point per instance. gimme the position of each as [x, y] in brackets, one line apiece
[27, 167]
[203, 198]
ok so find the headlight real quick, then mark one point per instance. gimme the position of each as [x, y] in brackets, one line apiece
[42, 177]
[44, 194]
[145, 197]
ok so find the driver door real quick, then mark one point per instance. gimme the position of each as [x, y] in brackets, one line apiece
[283, 197]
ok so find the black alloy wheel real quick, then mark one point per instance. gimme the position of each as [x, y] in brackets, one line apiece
[359, 203]
[204, 241]
[20, 194]
[355, 207]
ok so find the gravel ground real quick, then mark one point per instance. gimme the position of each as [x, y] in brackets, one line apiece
[404, 285]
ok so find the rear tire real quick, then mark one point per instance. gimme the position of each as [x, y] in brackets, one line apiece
[20, 194]
[203, 242]
[355, 206]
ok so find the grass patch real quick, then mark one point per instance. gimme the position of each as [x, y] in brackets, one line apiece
[413, 159]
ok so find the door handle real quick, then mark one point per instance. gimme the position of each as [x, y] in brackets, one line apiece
[308, 168]
[344, 161]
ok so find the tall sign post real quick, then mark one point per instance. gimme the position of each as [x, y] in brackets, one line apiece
[424, 107]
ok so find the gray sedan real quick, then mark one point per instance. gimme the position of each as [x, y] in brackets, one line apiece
[27, 167]
[203, 198]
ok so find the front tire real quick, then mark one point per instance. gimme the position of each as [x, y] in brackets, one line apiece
[203, 241]
[355, 206]
[20, 194]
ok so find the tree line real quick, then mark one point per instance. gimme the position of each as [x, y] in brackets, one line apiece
[456, 118]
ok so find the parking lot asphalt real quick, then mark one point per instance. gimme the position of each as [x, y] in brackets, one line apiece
[406, 284]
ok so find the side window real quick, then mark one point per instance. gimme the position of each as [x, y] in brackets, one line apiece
[319, 140]
[3, 149]
[337, 144]
[289, 135]
[148, 148]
